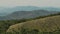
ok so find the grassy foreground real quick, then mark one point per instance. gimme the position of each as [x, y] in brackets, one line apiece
[40, 25]
[47, 25]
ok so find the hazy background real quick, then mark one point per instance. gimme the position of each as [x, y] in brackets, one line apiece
[9, 6]
[39, 3]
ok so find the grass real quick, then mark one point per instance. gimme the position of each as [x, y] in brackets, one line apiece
[4, 25]
[43, 25]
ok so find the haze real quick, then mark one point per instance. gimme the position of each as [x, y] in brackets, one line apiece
[39, 3]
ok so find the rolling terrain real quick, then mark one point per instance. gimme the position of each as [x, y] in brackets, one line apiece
[29, 20]
[27, 14]
[8, 10]
[47, 24]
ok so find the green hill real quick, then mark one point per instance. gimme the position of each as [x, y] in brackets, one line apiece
[38, 26]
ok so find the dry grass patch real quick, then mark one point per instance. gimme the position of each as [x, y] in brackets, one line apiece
[48, 24]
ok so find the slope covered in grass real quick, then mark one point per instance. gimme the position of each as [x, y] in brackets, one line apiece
[47, 24]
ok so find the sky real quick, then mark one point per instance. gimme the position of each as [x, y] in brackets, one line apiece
[39, 3]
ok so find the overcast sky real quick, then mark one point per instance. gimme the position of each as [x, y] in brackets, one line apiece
[40, 3]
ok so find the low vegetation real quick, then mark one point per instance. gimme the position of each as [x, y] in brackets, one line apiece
[4, 25]
[44, 25]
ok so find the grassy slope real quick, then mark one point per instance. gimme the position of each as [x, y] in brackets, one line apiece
[48, 24]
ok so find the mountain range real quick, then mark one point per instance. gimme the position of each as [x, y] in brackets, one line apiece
[27, 14]
[6, 10]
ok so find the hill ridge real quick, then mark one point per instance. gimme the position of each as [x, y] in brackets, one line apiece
[48, 24]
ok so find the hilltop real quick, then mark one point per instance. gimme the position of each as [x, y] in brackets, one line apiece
[47, 24]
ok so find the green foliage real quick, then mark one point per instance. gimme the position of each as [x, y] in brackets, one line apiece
[4, 25]
[27, 31]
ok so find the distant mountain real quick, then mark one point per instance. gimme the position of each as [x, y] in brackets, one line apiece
[6, 10]
[51, 9]
[27, 14]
